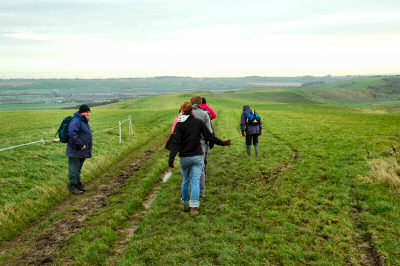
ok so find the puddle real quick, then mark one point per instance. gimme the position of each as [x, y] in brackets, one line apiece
[166, 176]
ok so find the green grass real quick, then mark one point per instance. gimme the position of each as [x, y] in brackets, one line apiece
[306, 215]
[305, 200]
[35, 177]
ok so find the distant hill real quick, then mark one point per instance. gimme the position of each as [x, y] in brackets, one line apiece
[57, 93]
[345, 91]
[64, 93]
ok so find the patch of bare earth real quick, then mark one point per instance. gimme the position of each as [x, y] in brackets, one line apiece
[273, 175]
[45, 247]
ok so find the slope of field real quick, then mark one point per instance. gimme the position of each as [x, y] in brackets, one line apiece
[359, 91]
[310, 198]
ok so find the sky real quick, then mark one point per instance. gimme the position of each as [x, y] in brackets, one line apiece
[198, 38]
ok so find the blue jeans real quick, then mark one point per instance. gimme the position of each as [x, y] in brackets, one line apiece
[191, 170]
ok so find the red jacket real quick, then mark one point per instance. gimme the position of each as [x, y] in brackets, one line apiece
[209, 109]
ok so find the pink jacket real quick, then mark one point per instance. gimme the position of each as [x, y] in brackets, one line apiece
[176, 121]
[209, 109]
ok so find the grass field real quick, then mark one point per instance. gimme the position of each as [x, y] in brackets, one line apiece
[319, 193]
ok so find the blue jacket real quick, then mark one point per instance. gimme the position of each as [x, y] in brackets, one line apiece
[250, 129]
[80, 134]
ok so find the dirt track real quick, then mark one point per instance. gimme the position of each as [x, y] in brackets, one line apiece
[45, 247]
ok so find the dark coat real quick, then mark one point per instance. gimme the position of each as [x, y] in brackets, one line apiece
[249, 129]
[186, 137]
[80, 134]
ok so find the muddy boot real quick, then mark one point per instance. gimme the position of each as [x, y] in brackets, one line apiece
[194, 211]
[186, 207]
[81, 188]
[74, 190]
[248, 147]
[257, 149]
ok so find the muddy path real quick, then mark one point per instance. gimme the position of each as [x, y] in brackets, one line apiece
[368, 252]
[45, 246]
[135, 222]
[66, 203]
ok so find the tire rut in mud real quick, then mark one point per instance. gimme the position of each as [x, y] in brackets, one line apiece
[129, 231]
[368, 251]
[44, 248]
[273, 174]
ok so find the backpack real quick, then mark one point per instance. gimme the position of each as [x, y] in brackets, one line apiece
[63, 129]
[253, 118]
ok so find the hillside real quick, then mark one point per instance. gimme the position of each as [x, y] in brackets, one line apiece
[67, 93]
[58, 93]
[324, 191]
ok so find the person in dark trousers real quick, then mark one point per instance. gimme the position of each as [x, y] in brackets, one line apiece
[186, 140]
[79, 147]
[251, 132]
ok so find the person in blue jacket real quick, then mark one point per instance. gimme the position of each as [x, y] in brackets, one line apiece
[251, 132]
[79, 147]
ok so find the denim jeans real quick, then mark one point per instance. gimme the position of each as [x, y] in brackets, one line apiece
[191, 170]
[75, 167]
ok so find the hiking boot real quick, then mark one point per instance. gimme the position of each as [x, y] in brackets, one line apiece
[186, 207]
[194, 211]
[248, 150]
[81, 187]
[74, 190]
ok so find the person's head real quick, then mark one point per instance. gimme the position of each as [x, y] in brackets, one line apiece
[196, 99]
[84, 110]
[246, 108]
[187, 108]
[203, 100]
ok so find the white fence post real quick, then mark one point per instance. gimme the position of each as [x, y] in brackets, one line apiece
[120, 133]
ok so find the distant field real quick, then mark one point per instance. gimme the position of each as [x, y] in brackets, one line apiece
[56, 94]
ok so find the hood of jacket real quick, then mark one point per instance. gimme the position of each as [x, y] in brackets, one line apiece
[246, 108]
[183, 118]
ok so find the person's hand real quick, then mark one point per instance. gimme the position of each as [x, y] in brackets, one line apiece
[243, 134]
[260, 133]
[171, 164]
[84, 147]
[227, 142]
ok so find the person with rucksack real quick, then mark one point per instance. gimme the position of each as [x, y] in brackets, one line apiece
[205, 118]
[251, 128]
[186, 140]
[79, 147]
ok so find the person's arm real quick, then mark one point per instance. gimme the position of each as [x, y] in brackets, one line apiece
[212, 113]
[243, 122]
[73, 133]
[209, 137]
[176, 143]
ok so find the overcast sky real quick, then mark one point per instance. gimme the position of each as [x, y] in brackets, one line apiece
[142, 38]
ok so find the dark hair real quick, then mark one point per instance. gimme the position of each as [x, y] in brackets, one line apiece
[203, 100]
[84, 108]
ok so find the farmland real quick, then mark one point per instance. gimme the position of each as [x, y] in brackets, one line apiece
[317, 194]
